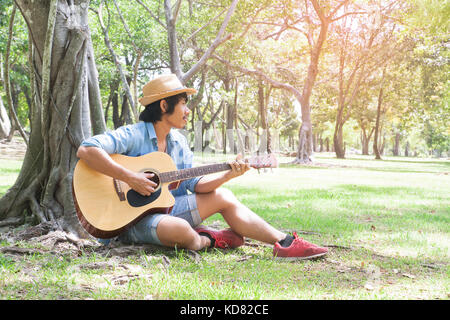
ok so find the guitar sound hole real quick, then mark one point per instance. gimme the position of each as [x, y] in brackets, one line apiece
[155, 178]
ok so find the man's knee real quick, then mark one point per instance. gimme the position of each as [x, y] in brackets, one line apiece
[225, 193]
[175, 231]
[226, 197]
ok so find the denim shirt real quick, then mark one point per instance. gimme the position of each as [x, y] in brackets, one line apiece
[138, 139]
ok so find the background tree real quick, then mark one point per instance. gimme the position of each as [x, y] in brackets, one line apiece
[311, 19]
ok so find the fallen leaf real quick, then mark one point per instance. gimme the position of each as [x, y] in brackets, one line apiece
[166, 261]
[368, 286]
[332, 261]
[408, 275]
[245, 258]
[123, 279]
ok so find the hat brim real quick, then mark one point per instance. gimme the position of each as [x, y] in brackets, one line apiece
[155, 97]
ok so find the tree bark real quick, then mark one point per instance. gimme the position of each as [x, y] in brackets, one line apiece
[61, 118]
[338, 141]
[376, 150]
[365, 139]
[263, 98]
[396, 146]
[230, 116]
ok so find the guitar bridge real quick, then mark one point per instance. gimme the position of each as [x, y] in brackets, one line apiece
[118, 188]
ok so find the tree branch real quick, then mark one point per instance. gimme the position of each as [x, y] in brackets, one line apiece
[337, 8]
[139, 54]
[206, 25]
[117, 63]
[125, 26]
[175, 64]
[347, 14]
[151, 14]
[217, 42]
[319, 11]
[263, 76]
[176, 11]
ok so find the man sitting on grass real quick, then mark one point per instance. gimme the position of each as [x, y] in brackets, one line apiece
[165, 101]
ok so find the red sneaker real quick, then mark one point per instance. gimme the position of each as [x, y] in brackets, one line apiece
[223, 239]
[298, 250]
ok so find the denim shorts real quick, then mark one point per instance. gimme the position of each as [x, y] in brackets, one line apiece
[144, 232]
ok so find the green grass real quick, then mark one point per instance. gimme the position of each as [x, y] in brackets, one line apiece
[9, 170]
[386, 224]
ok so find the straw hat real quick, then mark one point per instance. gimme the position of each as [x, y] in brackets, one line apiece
[162, 87]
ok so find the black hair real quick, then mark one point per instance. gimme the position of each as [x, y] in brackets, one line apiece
[152, 112]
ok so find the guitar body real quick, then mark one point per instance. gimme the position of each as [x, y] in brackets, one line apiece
[106, 206]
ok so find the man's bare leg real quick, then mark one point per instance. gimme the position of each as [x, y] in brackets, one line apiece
[173, 231]
[240, 218]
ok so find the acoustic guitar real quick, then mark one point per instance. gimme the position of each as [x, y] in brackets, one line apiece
[106, 206]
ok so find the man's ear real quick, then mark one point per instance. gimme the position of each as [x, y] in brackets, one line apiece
[163, 105]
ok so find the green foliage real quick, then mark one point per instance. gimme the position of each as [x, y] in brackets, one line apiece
[270, 36]
[430, 15]
[18, 58]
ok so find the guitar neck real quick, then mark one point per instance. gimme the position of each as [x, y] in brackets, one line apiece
[185, 174]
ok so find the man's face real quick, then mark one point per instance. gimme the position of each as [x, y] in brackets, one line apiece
[179, 118]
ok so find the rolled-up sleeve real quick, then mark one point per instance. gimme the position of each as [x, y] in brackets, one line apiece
[191, 183]
[120, 140]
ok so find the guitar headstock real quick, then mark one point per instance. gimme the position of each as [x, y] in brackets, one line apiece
[264, 161]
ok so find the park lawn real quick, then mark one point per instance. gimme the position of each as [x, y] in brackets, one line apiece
[386, 224]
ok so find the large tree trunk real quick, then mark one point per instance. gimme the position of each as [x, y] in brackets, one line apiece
[264, 138]
[67, 101]
[376, 150]
[338, 140]
[365, 139]
[231, 112]
[304, 151]
[396, 146]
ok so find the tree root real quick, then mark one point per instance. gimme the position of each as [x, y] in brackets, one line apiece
[13, 221]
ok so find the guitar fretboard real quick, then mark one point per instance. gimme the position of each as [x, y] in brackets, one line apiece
[185, 174]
